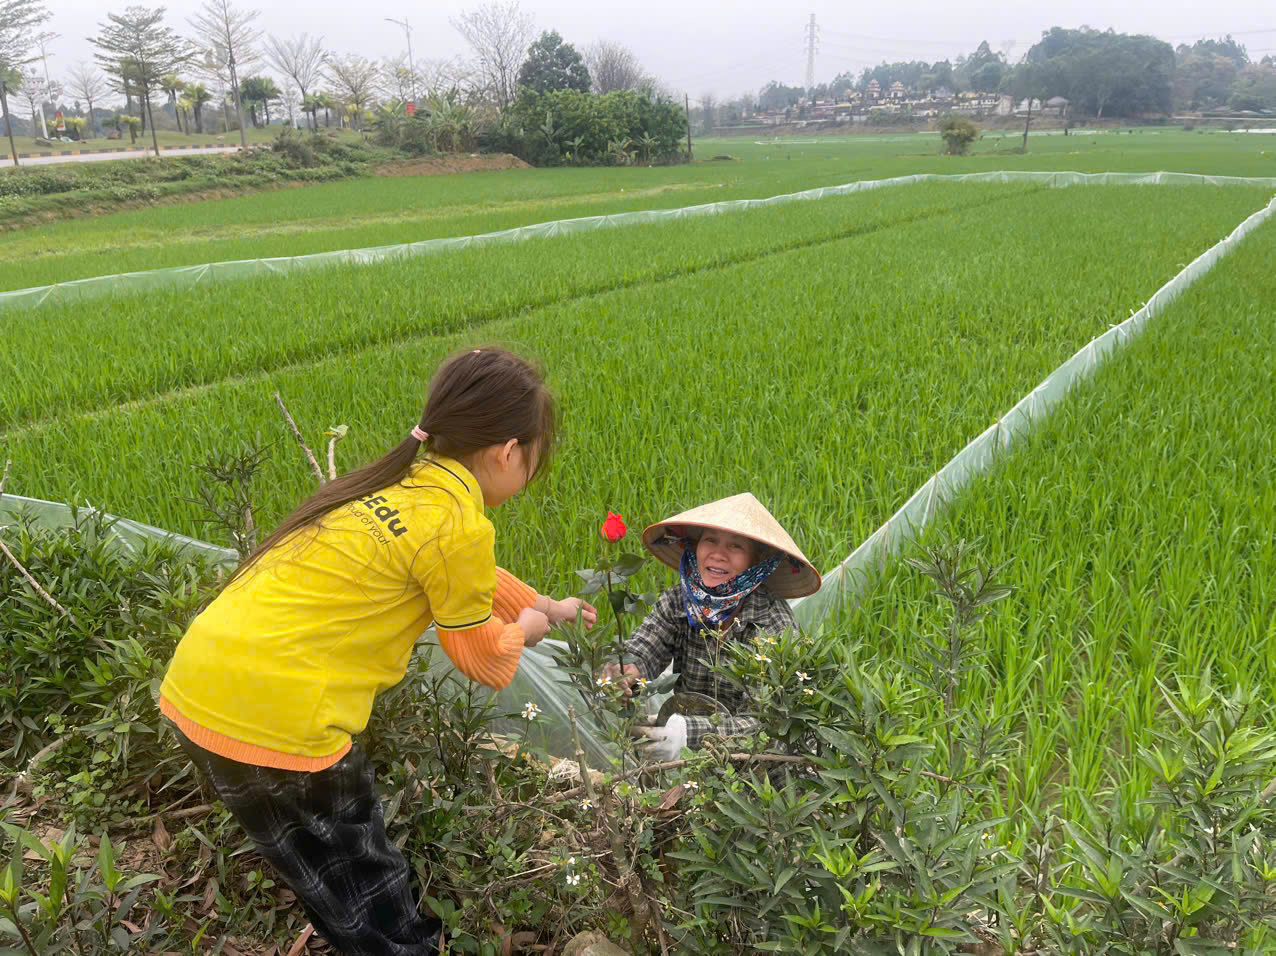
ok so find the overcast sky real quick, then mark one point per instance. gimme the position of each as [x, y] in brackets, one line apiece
[719, 46]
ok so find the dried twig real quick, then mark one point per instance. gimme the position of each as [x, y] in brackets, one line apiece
[741, 758]
[334, 435]
[296, 433]
[22, 782]
[629, 878]
[36, 584]
[173, 814]
[299, 946]
[5, 480]
[1268, 791]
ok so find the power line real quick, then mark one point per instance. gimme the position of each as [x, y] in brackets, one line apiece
[811, 31]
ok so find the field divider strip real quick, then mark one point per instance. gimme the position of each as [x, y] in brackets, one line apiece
[183, 276]
[849, 578]
[478, 319]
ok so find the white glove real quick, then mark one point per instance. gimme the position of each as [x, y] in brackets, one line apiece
[663, 743]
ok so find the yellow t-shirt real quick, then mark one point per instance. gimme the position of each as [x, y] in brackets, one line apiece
[290, 656]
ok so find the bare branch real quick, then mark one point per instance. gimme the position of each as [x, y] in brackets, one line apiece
[355, 78]
[300, 58]
[36, 584]
[499, 34]
[613, 66]
[736, 758]
[310, 456]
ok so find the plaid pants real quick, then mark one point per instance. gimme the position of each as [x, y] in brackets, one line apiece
[325, 834]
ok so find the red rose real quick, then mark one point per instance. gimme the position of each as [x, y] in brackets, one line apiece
[614, 527]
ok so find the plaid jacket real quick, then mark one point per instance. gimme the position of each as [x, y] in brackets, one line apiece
[665, 636]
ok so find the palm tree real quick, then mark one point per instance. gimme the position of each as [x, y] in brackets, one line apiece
[199, 97]
[173, 85]
[185, 106]
[329, 104]
[312, 104]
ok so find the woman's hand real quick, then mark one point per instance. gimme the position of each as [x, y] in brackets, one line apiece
[569, 608]
[626, 682]
[535, 626]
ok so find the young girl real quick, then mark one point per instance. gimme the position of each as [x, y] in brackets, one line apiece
[274, 677]
[736, 564]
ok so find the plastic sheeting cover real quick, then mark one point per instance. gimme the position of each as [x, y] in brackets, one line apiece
[849, 577]
[129, 536]
[185, 276]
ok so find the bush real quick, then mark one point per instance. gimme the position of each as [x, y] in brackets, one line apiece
[295, 147]
[60, 671]
[958, 133]
[567, 127]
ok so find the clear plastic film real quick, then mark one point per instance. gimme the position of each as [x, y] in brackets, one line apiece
[129, 536]
[185, 276]
[848, 578]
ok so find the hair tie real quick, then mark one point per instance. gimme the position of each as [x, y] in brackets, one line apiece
[419, 433]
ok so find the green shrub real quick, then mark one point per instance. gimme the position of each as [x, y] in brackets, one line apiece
[569, 127]
[957, 133]
[126, 614]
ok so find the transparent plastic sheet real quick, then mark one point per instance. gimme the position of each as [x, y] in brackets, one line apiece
[129, 536]
[185, 276]
[847, 580]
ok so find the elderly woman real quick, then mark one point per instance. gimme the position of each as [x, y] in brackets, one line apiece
[736, 566]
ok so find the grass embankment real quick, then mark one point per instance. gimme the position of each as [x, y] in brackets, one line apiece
[38, 194]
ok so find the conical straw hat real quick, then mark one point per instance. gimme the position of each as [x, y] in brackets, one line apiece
[741, 514]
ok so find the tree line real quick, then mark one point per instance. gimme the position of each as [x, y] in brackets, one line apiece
[1100, 73]
[224, 65]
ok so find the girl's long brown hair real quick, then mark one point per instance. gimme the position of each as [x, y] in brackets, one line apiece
[478, 398]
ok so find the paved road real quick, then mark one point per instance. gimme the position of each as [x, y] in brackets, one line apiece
[99, 157]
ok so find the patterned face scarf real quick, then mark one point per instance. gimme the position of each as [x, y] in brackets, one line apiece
[709, 608]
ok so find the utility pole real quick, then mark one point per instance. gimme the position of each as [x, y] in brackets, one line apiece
[43, 42]
[686, 99]
[411, 67]
[811, 31]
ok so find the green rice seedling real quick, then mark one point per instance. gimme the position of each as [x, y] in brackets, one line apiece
[220, 334]
[1137, 523]
[898, 346]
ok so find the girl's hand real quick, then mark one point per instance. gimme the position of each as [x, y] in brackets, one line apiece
[535, 626]
[567, 610]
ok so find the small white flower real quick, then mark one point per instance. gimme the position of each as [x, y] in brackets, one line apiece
[571, 861]
[762, 657]
[586, 804]
[693, 785]
[643, 682]
[573, 879]
[801, 676]
[770, 640]
[809, 691]
[604, 681]
[530, 711]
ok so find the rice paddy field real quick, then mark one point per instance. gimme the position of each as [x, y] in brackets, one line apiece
[386, 210]
[828, 356]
